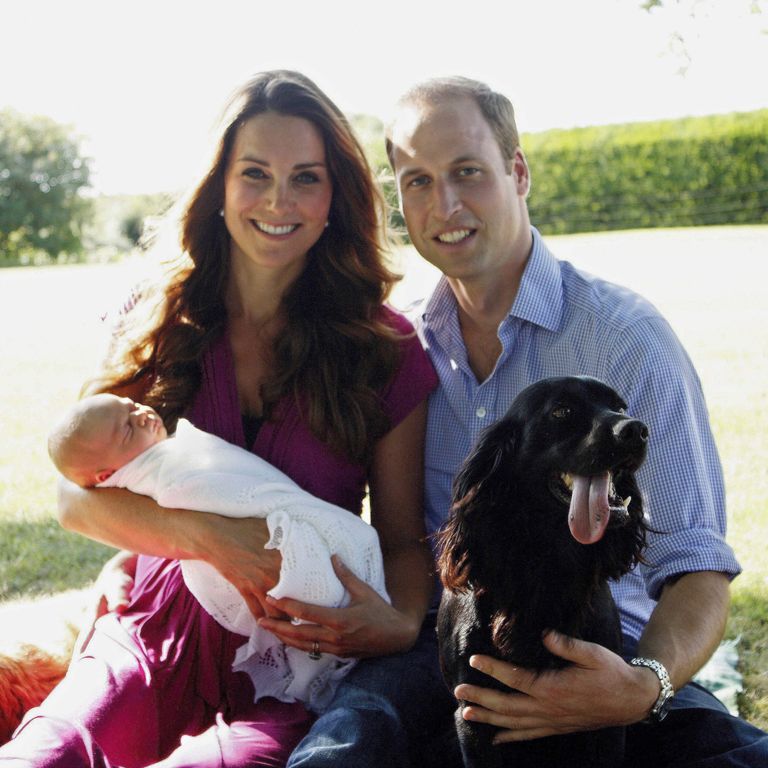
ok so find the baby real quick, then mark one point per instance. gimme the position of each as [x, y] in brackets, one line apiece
[111, 441]
[101, 434]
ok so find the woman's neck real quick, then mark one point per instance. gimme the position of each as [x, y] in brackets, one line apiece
[254, 297]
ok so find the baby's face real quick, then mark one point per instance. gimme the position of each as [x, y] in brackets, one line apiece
[129, 428]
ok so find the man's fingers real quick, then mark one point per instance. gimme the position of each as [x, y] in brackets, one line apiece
[490, 701]
[576, 651]
[523, 734]
[517, 678]
[513, 725]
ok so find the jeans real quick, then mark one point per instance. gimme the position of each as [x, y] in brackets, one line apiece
[396, 712]
[384, 714]
[698, 732]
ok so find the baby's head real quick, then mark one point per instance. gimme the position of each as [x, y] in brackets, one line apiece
[100, 434]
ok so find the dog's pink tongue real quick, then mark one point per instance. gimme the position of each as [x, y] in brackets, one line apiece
[589, 513]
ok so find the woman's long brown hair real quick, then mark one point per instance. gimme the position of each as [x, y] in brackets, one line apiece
[336, 353]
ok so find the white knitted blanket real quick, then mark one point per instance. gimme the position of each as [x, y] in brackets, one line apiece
[196, 470]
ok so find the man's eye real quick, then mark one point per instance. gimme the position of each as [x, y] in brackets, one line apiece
[418, 181]
[469, 171]
[561, 412]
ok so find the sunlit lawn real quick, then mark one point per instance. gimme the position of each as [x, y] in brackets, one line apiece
[708, 282]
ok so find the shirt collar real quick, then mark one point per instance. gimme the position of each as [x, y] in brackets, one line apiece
[539, 299]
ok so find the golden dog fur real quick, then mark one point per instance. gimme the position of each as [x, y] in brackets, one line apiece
[37, 637]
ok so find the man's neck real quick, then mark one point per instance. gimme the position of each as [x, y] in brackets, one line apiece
[483, 303]
[481, 309]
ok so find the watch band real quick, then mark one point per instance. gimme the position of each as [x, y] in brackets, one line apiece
[661, 706]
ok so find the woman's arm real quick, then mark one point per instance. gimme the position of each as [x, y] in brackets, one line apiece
[397, 512]
[120, 518]
[369, 626]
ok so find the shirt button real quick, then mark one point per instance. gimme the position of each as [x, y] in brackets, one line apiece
[481, 412]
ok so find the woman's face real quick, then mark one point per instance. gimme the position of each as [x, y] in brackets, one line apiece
[277, 193]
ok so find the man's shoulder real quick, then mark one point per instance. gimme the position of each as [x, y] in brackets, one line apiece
[603, 300]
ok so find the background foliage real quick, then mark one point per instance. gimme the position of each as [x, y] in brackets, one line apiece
[42, 176]
[690, 172]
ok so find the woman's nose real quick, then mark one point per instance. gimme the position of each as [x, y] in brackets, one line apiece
[280, 196]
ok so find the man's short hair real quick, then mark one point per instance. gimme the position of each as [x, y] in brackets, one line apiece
[496, 108]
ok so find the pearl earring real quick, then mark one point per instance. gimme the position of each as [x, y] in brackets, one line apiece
[221, 212]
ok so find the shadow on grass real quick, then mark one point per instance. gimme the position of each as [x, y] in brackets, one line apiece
[40, 557]
[749, 621]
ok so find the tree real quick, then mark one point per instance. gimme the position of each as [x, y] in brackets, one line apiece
[42, 177]
[370, 132]
[687, 17]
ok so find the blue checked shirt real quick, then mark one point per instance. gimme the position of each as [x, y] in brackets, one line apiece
[566, 322]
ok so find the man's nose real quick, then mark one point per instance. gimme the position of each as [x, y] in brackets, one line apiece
[447, 201]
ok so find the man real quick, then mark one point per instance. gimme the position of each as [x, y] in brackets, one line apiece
[505, 314]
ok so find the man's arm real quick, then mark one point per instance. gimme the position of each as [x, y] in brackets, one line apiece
[687, 625]
[600, 689]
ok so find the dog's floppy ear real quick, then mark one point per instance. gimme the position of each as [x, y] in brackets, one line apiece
[483, 487]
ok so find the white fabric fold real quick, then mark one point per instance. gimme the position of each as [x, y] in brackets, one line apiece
[197, 470]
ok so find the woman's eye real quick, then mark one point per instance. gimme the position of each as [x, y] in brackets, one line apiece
[254, 173]
[307, 178]
[561, 412]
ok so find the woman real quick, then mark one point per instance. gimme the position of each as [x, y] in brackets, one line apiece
[269, 331]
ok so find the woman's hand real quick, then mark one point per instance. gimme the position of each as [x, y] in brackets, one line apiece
[368, 626]
[235, 548]
[111, 592]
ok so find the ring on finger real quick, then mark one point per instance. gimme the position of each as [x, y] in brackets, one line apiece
[315, 654]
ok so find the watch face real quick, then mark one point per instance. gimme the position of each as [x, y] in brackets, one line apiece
[660, 712]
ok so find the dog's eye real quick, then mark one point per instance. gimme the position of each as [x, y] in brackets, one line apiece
[561, 412]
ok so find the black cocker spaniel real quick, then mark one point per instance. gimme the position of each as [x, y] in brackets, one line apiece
[545, 511]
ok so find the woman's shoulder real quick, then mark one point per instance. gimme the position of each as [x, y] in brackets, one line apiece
[396, 320]
[414, 377]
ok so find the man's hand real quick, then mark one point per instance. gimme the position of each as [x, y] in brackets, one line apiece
[368, 626]
[598, 690]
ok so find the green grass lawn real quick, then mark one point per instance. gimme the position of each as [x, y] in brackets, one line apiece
[707, 281]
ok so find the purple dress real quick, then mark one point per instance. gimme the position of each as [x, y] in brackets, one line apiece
[163, 668]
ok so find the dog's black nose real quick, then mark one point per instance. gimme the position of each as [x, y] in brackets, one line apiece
[632, 432]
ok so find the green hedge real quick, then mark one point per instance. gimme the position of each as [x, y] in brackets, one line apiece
[672, 173]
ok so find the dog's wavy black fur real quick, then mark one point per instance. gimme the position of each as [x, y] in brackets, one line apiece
[511, 568]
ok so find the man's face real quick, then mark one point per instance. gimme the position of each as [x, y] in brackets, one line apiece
[464, 206]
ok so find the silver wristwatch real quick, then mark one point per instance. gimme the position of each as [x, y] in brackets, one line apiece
[661, 707]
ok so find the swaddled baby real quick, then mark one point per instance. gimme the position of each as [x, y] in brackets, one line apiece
[111, 441]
